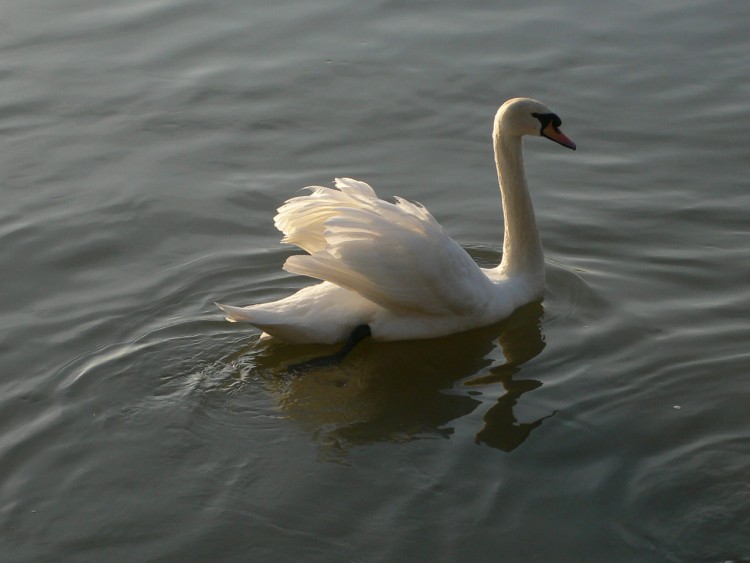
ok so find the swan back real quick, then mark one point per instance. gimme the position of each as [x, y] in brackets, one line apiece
[393, 254]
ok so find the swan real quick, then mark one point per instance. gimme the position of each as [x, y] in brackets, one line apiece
[390, 271]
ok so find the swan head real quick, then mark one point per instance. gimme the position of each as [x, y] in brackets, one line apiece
[524, 116]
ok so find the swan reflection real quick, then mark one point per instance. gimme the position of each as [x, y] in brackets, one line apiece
[403, 391]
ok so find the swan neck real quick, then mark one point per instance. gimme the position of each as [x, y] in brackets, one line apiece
[522, 248]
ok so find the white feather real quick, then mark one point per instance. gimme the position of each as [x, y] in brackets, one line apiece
[393, 267]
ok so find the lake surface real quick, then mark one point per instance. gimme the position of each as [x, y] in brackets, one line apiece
[145, 148]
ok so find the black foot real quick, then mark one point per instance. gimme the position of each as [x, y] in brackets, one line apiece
[358, 334]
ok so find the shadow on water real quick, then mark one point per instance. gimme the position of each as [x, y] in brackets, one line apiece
[403, 391]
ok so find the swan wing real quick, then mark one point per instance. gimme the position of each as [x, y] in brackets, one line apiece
[302, 219]
[393, 254]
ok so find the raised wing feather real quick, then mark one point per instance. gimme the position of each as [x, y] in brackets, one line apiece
[394, 254]
[302, 219]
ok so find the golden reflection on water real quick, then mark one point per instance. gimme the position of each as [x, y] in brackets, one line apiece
[409, 390]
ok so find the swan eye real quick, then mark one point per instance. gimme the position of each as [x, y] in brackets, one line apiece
[547, 118]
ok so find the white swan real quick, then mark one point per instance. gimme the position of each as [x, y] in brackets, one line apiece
[391, 270]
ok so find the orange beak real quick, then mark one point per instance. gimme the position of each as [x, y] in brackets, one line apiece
[554, 134]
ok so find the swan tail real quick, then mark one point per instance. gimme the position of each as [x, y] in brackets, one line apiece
[236, 314]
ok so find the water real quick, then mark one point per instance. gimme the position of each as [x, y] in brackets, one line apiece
[145, 147]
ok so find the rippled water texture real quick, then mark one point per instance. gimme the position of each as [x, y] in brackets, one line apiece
[145, 148]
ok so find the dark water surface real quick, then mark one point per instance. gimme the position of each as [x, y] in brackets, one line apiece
[145, 147]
